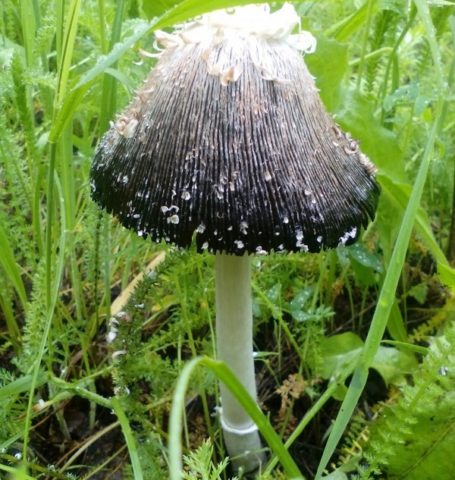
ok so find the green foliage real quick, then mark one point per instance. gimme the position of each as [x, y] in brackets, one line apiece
[340, 353]
[35, 321]
[199, 464]
[414, 435]
[385, 71]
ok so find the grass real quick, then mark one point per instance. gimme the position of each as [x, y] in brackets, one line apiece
[385, 70]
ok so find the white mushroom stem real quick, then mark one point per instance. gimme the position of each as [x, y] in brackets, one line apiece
[234, 333]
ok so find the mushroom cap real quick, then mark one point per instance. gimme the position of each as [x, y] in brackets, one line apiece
[227, 142]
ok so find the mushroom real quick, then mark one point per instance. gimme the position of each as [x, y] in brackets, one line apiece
[227, 144]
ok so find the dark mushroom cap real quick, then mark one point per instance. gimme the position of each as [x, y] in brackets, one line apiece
[229, 143]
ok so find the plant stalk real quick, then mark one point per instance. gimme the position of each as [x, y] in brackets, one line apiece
[234, 332]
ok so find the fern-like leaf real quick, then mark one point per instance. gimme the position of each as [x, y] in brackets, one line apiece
[414, 438]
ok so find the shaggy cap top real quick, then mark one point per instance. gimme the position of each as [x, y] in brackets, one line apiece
[227, 142]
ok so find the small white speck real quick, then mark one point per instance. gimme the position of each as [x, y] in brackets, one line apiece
[307, 191]
[299, 235]
[243, 227]
[205, 245]
[18, 455]
[302, 246]
[319, 238]
[164, 209]
[267, 176]
[130, 128]
[239, 244]
[111, 336]
[118, 353]
[173, 219]
[186, 195]
[229, 228]
[285, 220]
[200, 228]
[260, 250]
[121, 390]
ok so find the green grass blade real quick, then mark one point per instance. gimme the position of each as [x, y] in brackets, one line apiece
[322, 400]
[109, 93]
[28, 24]
[129, 438]
[119, 49]
[10, 319]
[21, 385]
[225, 375]
[9, 265]
[17, 473]
[349, 25]
[67, 49]
[399, 195]
[384, 306]
[387, 294]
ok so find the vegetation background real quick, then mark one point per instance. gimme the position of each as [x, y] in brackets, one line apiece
[89, 373]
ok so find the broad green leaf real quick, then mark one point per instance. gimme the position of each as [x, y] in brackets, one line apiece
[155, 8]
[348, 26]
[341, 352]
[356, 115]
[329, 64]
[392, 364]
[397, 195]
[366, 258]
[364, 264]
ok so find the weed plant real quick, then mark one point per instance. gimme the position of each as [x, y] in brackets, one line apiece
[355, 347]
